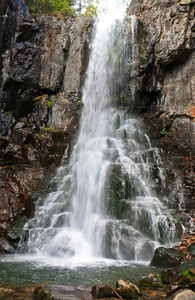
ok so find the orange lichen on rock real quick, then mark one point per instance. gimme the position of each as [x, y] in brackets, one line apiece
[192, 110]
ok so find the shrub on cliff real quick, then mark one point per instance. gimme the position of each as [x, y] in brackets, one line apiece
[49, 6]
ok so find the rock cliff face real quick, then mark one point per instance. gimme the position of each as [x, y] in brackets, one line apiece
[163, 73]
[42, 63]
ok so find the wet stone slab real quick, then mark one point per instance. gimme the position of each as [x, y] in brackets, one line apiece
[68, 292]
[57, 292]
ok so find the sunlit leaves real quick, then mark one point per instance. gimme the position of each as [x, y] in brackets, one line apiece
[49, 6]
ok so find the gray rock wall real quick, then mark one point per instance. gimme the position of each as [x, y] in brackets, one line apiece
[166, 64]
[161, 85]
[42, 63]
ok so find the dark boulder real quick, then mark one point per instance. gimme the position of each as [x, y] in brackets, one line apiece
[170, 276]
[2, 231]
[192, 250]
[101, 291]
[165, 258]
[6, 247]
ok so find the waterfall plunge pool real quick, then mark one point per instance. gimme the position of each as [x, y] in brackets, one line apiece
[19, 271]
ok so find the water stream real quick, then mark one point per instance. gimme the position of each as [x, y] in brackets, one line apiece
[105, 210]
[104, 205]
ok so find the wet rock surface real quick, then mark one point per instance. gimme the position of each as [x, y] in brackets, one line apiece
[61, 292]
[165, 257]
[163, 76]
[170, 284]
[42, 69]
[39, 107]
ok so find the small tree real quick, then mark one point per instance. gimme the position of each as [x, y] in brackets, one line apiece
[49, 6]
[86, 7]
[91, 11]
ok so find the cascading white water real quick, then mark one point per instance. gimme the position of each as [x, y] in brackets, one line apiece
[104, 204]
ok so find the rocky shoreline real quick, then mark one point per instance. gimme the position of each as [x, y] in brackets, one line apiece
[177, 283]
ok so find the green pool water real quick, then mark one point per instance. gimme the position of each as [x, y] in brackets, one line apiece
[18, 271]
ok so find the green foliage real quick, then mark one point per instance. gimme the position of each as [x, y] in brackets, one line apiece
[162, 133]
[185, 273]
[48, 103]
[49, 6]
[48, 129]
[91, 11]
[88, 8]
[44, 100]
[158, 277]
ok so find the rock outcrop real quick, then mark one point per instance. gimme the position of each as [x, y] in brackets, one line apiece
[164, 80]
[42, 64]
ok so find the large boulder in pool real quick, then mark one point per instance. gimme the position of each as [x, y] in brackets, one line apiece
[165, 258]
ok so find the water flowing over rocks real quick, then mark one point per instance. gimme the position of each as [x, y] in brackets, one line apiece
[42, 69]
[164, 81]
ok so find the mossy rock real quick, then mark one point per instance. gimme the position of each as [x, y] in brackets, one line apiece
[127, 290]
[187, 277]
[120, 190]
[152, 282]
[40, 294]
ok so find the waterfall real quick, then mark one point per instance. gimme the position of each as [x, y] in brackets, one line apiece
[105, 204]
